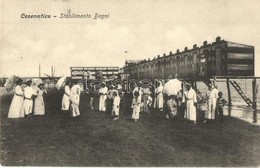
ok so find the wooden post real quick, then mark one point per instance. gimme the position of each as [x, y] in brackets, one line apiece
[254, 90]
[39, 70]
[195, 84]
[229, 94]
[229, 110]
[229, 98]
[214, 81]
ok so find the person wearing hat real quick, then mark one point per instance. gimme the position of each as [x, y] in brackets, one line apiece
[65, 104]
[91, 91]
[190, 99]
[212, 96]
[138, 88]
[110, 98]
[28, 103]
[75, 100]
[39, 108]
[136, 106]
[103, 97]
[17, 102]
[116, 105]
[158, 102]
[34, 96]
[121, 94]
[146, 93]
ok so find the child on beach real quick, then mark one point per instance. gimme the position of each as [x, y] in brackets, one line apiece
[136, 106]
[220, 104]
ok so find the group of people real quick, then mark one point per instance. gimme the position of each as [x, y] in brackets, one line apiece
[27, 101]
[145, 97]
[71, 98]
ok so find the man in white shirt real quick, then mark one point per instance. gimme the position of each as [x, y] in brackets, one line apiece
[212, 96]
[190, 98]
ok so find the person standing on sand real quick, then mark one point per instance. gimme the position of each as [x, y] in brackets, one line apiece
[220, 105]
[39, 108]
[136, 106]
[146, 93]
[180, 109]
[137, 88]
[103, 97]
[116, 104]
[28, 103]
[121, 94]
[66, 97]
[17, 102]
[74, 99]
[110, 98]
[212, 95]
[190, 99]
[158, 102]
[91, 95]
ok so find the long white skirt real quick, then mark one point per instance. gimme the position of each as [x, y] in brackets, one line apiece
[27, 106]
[115, 110]
[65, 105]
[158, 102]
[39, 108]
[136, 111]
[15, 110]
[102, 103]
[74, 110]
[191, 110]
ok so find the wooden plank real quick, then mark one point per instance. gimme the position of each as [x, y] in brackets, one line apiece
[232, 44]
[240, 50]
[240, 61]
[239, 56]
[241, 67]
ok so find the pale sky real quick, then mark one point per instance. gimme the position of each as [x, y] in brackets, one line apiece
[143, 28]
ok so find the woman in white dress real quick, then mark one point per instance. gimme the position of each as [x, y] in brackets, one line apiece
[158, 103]
[136, 106]
[39, 108]
[65, 105]
[103, 97]
[15, 110]
[190, 98]
[75, 99]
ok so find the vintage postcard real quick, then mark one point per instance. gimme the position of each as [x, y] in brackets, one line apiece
[133, 83]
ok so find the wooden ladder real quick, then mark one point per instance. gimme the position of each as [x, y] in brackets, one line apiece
[241, 93]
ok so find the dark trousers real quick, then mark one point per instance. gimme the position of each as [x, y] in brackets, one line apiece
[220, 111]
[180, 111]
[109, 105]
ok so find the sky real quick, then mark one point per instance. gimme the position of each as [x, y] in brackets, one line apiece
[143, 28]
